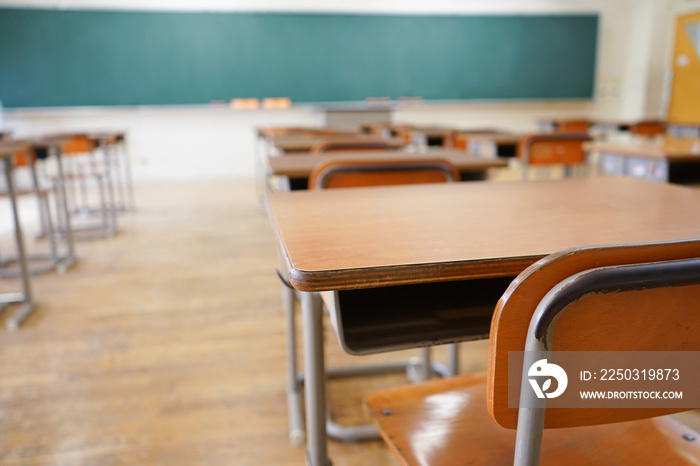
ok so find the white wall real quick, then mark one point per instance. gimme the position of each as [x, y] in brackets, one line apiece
[172, 143]
[201, 142]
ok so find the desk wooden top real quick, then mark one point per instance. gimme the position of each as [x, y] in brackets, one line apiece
[680, 150]
[50, 139]
[368, 237]
[302, 143]
[8, 147]
[301, 165]
[496, 138]
[428, 131]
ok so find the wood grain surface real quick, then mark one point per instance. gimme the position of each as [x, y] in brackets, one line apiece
[304, 143]
[675, 150]
[366, 237]
[300, 166]
[445, 423]
[165, 345]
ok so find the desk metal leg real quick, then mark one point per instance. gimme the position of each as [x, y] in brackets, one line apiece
[62, 207]
[314, 380]
[297, 436]
[27, 299]
[107, 154]
[127, 175]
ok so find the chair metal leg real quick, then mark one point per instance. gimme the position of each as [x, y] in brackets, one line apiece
[127, 176]
[62, 210]
[421, 370]
[85, 209]
[107, 154]
[45, 215]
[351, 433]
[74, 194]
[314, 380]
[453, 359]
[103, 207]
[118, 181]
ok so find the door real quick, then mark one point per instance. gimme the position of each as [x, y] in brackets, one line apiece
[684, 106]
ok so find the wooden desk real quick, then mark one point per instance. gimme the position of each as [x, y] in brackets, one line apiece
[670, 161]
[494, 144]
[302, 143]
[25, 297]
[416, 265]
[298, 168]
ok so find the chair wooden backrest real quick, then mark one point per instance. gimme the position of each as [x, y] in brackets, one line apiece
[381, 172]
[573, 125]
[553, 148]
[654, 319]
[24, 158]
[563, 148]
[648, 128]
[349, 145]
[78, 144]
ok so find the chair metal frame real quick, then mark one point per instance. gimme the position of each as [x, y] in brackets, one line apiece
[601, 280]
[101, 171]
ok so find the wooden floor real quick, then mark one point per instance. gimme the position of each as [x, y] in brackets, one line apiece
[165, 346]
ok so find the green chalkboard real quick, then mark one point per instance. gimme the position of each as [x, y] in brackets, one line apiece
[73, 58]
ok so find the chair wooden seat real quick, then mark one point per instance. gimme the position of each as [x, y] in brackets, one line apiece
[446, 422]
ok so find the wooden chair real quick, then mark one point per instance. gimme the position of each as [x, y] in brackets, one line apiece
[347, 173]
[349, 145]
[616, 298]
[563, 148]
[381, 172]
